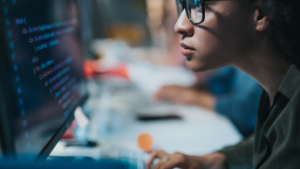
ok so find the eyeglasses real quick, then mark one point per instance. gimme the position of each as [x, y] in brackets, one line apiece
[195, 10]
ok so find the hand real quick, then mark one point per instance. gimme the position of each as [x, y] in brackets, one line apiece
[186, 95]
[166, 160]
[170, 161]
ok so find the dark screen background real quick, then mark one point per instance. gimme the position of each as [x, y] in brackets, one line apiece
[46, 77]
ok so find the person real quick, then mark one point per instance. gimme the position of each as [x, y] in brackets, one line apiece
[262, 39]
[227, 91]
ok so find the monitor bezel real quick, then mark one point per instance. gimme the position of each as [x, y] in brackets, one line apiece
[59, 133]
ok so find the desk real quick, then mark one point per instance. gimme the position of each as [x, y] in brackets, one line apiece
[198, 133]
[113, 122]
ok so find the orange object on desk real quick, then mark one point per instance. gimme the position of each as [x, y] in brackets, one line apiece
[145, 142]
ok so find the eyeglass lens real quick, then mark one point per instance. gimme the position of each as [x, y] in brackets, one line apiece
[194, 9]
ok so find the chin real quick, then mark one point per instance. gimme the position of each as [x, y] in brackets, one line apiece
[205, 63]
[199, 67]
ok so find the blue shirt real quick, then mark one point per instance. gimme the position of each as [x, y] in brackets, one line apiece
[237, 97]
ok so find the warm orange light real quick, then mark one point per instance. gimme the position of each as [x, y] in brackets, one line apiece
[145, 142]
[88, 68]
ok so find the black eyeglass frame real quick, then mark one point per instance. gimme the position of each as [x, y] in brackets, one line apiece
[184, 5]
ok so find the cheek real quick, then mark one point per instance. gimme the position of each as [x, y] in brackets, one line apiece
[219, 42]
[213, 51]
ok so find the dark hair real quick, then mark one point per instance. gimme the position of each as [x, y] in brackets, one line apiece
[283, 31]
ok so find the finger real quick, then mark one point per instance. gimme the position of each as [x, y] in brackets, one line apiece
[155, 154]
[149, 151]
[168, 165]
[175, 160]
[167, 162]
[158, 165]
[164, 165]
[151, 159]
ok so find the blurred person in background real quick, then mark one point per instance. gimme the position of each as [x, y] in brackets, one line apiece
[227, 91]
[161, 19]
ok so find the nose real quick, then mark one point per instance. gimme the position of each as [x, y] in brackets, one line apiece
[183, 25]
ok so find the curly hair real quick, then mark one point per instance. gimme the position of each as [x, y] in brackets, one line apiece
[283, 31]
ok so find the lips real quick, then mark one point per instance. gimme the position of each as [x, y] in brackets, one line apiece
[187, 50]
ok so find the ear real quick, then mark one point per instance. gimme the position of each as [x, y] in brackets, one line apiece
[261, 20]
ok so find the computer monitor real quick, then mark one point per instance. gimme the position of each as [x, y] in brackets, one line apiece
[41, 75]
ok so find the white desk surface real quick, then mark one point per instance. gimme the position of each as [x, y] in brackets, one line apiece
[198, 133]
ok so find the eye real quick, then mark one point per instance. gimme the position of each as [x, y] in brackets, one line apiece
[208, 5]
[199, 9]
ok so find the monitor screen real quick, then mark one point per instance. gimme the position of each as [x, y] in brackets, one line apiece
[41, 40]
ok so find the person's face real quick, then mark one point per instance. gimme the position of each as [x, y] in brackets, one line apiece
[227, 34]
